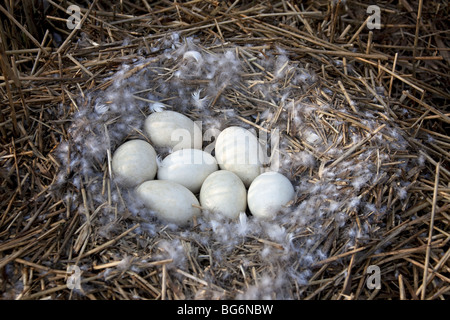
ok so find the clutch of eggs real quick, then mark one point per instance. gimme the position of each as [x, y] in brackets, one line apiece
[169, 188]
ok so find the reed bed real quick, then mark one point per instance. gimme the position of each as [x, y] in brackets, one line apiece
[363, 116]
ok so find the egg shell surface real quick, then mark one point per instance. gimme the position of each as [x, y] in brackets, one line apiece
[134, 162]
[188, 167]
[239, 151]
[173, 130]
[268, 193]
[225, 193]
[171, 201]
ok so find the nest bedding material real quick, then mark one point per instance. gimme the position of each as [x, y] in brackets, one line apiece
[362, 123]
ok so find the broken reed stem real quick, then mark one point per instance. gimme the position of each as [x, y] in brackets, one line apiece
[395, 75]
[23, 29]
[108, 243]
[352, 39]
[443, 116]
[164, 282]
[430, 234]
[416, 36]
[339, 256]
[36, 61]
[347, 97]
[355, 147]
[46, 292]
[391, 82]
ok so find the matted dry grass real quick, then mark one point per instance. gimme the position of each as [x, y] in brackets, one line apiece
[386, 89]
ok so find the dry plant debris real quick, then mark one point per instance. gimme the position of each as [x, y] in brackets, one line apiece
[363, 117]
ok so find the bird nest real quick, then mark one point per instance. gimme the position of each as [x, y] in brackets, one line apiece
[354, 117]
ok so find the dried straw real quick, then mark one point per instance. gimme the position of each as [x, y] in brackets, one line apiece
[43, 77]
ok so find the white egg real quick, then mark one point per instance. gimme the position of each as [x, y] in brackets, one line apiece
[268, 193]
[225, 193]
[134, 162]
[170, 201]
[188, 167]
[174, 130]
[239, 151]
